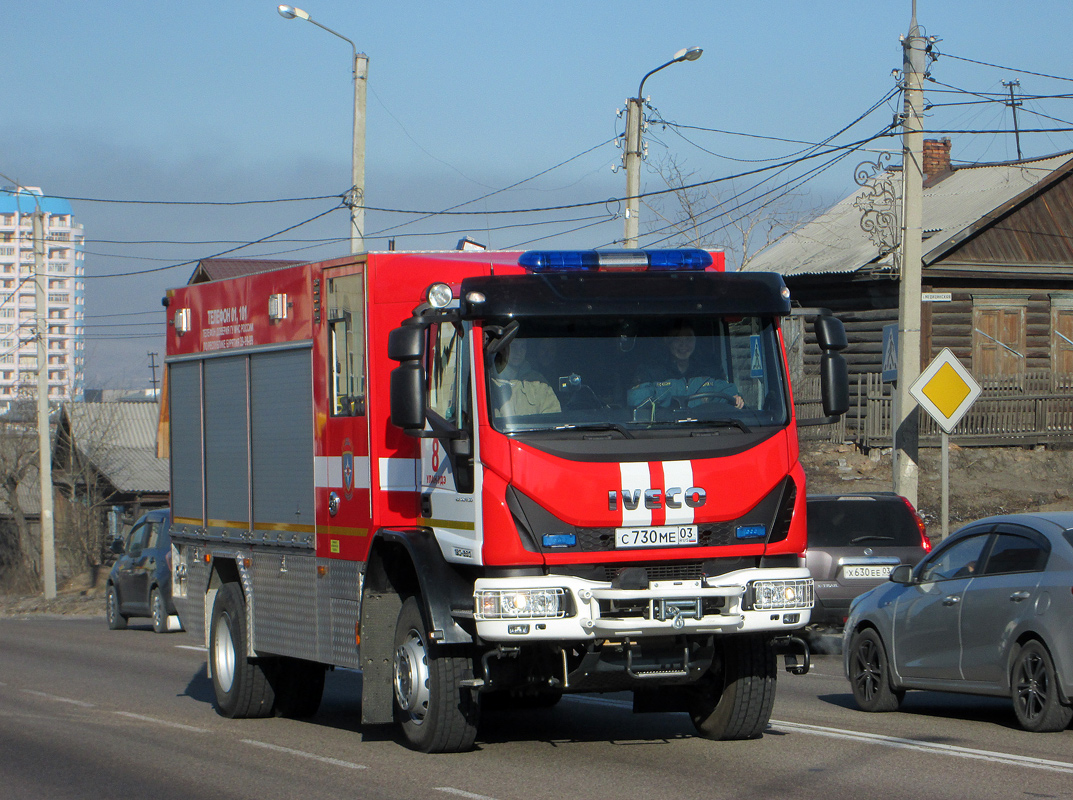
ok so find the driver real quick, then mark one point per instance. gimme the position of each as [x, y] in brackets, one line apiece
[687, 385]
[517, 388]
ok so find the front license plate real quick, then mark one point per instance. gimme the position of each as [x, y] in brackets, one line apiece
[656, 536]
[860, 572]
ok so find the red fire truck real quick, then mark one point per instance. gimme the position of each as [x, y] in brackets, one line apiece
[492, 477]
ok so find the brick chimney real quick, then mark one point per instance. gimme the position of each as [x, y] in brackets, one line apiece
[936, 157]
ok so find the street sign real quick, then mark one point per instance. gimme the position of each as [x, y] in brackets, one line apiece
[890, 353]
[936, 297]
[945, 390]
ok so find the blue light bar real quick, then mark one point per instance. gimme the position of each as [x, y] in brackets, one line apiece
[612, 260]
[559, 540]
[750, 531]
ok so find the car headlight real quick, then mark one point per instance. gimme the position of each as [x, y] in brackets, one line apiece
[780, 594]
[521, 603]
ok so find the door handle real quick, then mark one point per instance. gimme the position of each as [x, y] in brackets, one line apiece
[952, 600]
[1017, 597]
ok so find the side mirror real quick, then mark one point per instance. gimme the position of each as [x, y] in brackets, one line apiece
[408, 395]
[903, 574]
[117, 546]
[830, 333]
[834, 384]
[406, 343]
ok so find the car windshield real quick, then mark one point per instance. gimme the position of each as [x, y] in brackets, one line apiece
[632, 375]
[851, 522]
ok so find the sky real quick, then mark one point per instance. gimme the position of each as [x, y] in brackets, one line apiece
[147, 112]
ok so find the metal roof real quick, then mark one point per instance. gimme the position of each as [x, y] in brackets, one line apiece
[835, 243]
[214, 269]
[119, 439]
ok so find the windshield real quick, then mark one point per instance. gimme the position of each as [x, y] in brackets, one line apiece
[634, 375]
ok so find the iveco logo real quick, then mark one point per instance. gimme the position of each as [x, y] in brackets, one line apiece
[675, 497]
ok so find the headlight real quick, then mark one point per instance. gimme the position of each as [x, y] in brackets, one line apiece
[777, 595]
[521, 603]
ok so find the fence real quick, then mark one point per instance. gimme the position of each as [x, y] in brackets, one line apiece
[807, 405]
[1035, 407]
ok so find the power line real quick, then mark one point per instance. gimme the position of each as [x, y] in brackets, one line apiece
[194, 202]
[1008, 69]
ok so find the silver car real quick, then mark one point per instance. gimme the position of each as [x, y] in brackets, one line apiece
[988, 612]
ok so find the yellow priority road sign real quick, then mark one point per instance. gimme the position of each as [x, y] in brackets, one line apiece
[946, 390]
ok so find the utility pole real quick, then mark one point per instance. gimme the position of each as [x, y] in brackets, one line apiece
[1014, 104]
[152, 367]
[44, 440]
[357, 161]
[634, 115]
[907, 412]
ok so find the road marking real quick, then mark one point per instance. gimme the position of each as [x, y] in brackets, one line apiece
[58, 699]
[166, 723]
[460, 793]
[927, 747]
[199, 648]
[303, 754]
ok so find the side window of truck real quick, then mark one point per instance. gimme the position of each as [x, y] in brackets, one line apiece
[449, 375]
[346, 344]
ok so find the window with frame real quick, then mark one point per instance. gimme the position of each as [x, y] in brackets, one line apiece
[959, 560]
[449, 375]
[346, 343]
[998, 336]
[1014, 553]
[1062, 335]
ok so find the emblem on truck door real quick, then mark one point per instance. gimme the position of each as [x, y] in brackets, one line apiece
[674, 497]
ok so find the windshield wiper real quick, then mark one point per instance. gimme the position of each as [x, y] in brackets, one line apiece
[712, 423]
[597, 426]
[871, 538]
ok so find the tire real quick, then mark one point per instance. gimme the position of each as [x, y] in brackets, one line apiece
[869, 673]
[435, 712]
[116, 620]
[159, 611]
[241, 686]
[298, 686]
[735, 702]
[1034, 689]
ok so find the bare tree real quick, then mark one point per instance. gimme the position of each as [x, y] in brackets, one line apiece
[742, 224]
[20, 548]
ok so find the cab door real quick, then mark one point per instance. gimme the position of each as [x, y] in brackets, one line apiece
[447, 478]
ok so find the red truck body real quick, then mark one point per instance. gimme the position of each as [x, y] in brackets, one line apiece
[347, 490]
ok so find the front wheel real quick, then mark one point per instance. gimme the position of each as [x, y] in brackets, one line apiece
[1034, 686]
[116, 620]
[241, 686]
[735, 702]
[436, 713]
[869, 673]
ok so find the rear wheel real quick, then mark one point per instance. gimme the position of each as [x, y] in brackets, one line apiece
[436, 713]
[869, 673]
[160, 612]
[241, 686]
[735, 702]
[1034, 687]
[299, 687]
[116, 620]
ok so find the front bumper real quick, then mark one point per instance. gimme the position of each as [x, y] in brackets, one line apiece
[750, 600]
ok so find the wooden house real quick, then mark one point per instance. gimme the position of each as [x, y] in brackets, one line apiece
[997, 274]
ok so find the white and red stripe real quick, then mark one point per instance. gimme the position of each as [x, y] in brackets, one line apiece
[662, 475]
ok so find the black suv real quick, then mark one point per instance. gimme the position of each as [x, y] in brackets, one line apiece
[139, 584]
[854, 541]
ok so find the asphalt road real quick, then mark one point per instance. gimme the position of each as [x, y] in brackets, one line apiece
[91, 713]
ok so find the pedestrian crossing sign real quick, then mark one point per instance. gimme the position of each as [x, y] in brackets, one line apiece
[946, 390]
[756, 361]
[890, 353]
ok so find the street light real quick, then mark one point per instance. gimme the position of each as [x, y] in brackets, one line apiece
[357, 182]
[632, 155]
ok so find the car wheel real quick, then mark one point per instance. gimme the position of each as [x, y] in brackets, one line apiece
[435, 712]
[869, 673]
[1034, 687]
[240, 684]
[160, 612]
[735, 702]
[116, 620]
